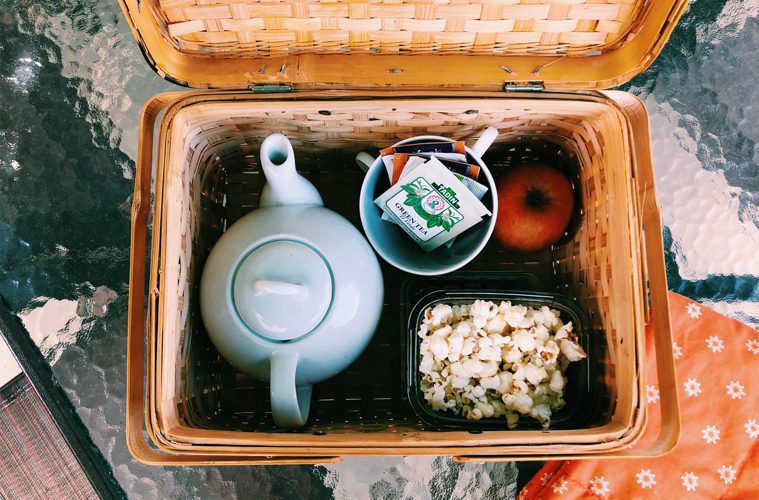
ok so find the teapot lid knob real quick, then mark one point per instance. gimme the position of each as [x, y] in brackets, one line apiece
[282, 290]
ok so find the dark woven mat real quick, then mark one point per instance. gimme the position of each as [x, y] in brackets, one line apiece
[45, 449]
[37, 462]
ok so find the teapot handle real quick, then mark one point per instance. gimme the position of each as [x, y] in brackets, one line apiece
[290, 403]
[364, 161]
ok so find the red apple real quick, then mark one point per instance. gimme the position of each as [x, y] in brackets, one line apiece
[535, 204]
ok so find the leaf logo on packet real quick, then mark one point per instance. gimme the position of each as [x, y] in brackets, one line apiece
[432, 205]
[437, 204]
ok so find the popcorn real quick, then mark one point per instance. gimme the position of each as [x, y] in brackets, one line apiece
[511, 355]
[468, 346]
[486, 409]
[523, 340]
[439, 347]
[506, 381]
[571, 350]
[541, 332]
[478, 391]
[542, 413]
[455, 345]
[499, 340]
[459, 382]
[489, 368]
[440, 314]
[516, 316]
[496, 324]
[519, 402]
[488, 351]
[458, 370]
[531, 373]
[459, 312]
[464, 328]
[549, 352]
[483, 360]
[493, 382]
[557, 382]
[481, 311]
[512, 419]
[426, 365]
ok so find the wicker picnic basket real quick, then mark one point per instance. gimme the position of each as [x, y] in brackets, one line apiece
[320, 72]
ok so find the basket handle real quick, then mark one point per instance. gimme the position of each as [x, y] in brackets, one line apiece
[643, 171]
[135, 403]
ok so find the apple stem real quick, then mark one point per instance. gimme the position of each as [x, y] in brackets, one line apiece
[536, 198]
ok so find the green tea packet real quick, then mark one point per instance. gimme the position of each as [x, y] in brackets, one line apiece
[432, 205]
[475, 187]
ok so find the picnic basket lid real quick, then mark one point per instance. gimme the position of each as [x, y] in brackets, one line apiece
[352, 44]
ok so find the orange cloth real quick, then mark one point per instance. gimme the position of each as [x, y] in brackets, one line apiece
[717, 456]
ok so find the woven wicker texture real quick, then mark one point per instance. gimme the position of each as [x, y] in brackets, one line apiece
[36, 460]
[218, 180]
[272, 28]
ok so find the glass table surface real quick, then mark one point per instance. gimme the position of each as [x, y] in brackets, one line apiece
[72, 81]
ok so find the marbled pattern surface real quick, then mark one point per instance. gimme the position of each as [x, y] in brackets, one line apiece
[72, 81]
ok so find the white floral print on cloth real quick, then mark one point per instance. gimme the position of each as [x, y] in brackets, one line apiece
[727, 473]
[652, 394]
[677, 350]
[646, 479]
[718, 452]
[710, 434]
[561, 485]
[694, 310]
[599, 486]
[752, 428]
[735, 390]
[692, 387]
[715, 344]
[690, 481]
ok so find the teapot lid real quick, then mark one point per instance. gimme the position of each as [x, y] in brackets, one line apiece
[282, 289]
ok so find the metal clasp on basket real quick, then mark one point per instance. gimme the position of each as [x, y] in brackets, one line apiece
[524, 87]
[270, 88]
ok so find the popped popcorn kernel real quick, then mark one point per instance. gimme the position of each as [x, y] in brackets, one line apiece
[483, 360]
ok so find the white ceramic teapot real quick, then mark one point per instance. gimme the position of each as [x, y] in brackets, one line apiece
[292, 292]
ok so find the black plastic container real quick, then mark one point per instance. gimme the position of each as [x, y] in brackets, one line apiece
[519, 288]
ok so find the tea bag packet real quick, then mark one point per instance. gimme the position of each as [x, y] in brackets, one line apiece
[404, 162]
[469, 170]
[387, 160]
[475, 187]
[397, 163]
[466, 173]
[432, 205]
[457, 147]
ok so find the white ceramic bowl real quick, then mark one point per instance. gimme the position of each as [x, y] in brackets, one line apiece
[395, 246]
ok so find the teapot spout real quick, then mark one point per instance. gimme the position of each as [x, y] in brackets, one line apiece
[284, 186]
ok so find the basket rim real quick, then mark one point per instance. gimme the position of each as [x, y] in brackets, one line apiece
[137, 409]
[165, 126]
